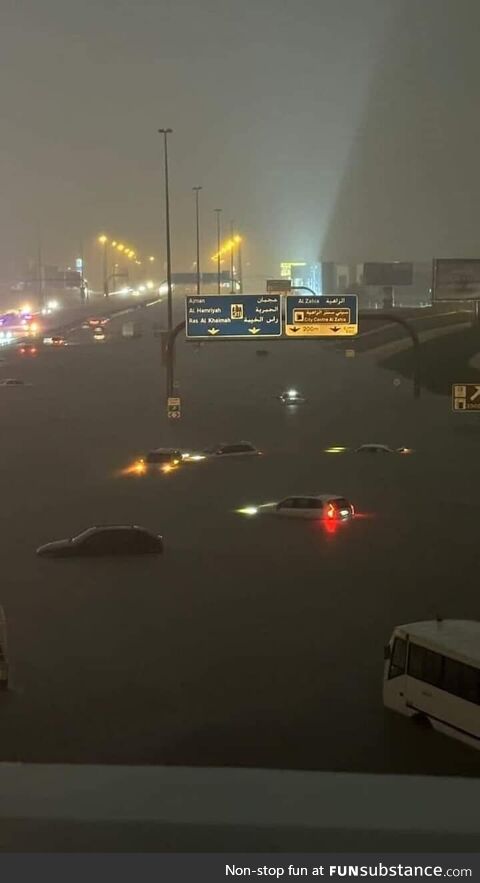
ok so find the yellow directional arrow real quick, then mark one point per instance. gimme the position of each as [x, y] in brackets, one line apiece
[214, 330]
[254, 330]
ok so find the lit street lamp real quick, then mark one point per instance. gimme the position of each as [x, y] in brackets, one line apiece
[165, 133]
[197, 219]
[218, 213]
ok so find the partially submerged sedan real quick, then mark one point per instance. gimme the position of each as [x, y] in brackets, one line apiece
[328, 507]
[109, 539]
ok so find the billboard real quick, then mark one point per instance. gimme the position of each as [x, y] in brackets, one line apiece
[456, 279]
[392, 274]
[279, 285]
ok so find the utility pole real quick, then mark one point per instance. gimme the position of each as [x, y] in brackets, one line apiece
[218, 213]
[197, 218]
[103, 240]
[232, 250]
[240, 272]
[165, 133]
[41, 277]
[83, 296]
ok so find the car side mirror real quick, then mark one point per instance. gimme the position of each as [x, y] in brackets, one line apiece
[386, 652]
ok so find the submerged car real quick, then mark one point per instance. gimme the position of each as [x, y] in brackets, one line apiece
[162, 456]
[329, 507]
[239, 449]
[291, 397]
[381, 449]
[13, 381]
[109, 539]
[163, 459]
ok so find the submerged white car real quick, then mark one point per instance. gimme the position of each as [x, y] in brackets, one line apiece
[381, 449]
[330, 507]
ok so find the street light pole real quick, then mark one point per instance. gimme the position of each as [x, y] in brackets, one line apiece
[104, 241]
[240, 271]
[105, 269]
[232, 248]
[218, 212]
[83, 295]
[197, 218]
[41, 279]
[165, 133]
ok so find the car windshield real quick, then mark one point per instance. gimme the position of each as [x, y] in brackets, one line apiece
[321, 163]
[90, 531]
[161, 456]
[341, 503]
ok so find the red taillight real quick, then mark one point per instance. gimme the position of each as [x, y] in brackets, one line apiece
[331, 511]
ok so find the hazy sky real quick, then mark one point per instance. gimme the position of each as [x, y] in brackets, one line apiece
[269, 101]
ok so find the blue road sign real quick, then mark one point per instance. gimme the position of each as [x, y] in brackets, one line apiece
[321, 316]
[216, 317]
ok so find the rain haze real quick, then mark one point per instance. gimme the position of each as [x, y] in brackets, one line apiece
[300, 119]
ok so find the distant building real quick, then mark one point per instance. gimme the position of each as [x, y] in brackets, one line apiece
[349, 278]
[303, 274]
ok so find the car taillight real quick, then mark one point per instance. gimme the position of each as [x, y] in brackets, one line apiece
[331, 511]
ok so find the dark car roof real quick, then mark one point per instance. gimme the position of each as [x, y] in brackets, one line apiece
[164, 451]
[116, 527]
[246, 444]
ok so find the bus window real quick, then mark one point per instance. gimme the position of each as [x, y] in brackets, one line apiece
[461, 680]
[425, 665]
[398, 658]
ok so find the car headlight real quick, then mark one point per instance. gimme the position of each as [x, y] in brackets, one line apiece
[248, 510]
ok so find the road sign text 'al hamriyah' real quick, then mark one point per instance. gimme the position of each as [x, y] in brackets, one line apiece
[321, 315]
[248, 316]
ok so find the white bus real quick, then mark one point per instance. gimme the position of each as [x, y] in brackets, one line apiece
[432, 672]
[3, 651]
